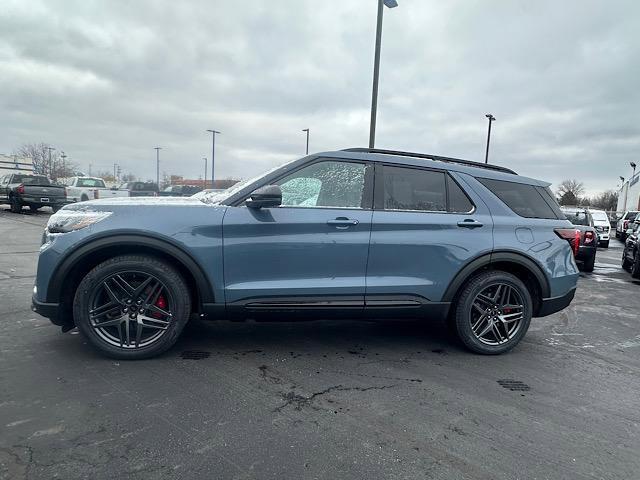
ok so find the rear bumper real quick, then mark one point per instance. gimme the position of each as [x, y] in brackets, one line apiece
[586, 252]
[555, 304]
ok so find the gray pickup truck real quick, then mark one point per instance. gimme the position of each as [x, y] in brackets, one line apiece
[35, 191]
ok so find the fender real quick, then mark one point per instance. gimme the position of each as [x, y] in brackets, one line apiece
[494, 257]
[164, 245]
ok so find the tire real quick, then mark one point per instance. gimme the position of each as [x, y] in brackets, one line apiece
[617, 234]
[55, 208]
[14, 203]
[635, 266]
[158, 333]
[84, 198]
[33, 208]
[605, 244]
[626, 263]
[467, 316]
[589, 264]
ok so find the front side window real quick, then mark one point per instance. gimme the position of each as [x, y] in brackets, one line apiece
[325, 184]
[414, 189]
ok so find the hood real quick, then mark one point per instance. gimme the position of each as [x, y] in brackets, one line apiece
[135, 201]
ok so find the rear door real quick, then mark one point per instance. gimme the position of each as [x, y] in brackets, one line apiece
[309, 253]
[425, 228]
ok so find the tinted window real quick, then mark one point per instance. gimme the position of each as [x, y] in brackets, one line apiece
[31, 179]
[414, 189]
[523, 199]
[325, 184]
[547, 194]
[458, 200]
[577, 217]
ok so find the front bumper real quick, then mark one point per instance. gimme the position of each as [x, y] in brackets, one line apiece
[48, 310]
[555, 304]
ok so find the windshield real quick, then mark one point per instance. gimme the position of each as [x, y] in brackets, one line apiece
[599, 215]
[217, 197]
[577, 217]
[91, 182]
[630, 215]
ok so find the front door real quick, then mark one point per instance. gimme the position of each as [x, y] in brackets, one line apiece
[309, 253]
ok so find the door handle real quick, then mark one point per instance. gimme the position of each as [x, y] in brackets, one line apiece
[469, 223]
[342, 222]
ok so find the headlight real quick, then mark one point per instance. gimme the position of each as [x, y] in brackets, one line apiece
[66, 221]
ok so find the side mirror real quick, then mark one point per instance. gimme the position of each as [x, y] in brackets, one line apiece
[265, 197]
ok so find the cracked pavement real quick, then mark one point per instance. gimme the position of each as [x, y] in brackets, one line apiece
[329, 399]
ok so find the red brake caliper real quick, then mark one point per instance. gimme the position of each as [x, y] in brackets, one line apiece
[160, 303]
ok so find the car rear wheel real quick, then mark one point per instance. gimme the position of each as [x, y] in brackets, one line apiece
[34, 208]
[14, 203]
[635, 266]
[132, 307]
[589, 264]
[493, 312]
[605, 244]
[626, 263]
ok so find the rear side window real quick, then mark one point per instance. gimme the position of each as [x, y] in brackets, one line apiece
[414, 189]
[458, 200]
[523, 199]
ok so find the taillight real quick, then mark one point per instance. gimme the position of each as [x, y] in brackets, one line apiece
[20, 189]
[66, 192]
[625, 224]
[96, 194]
[572, 236]
[588, 237]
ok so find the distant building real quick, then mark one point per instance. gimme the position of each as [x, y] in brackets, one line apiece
[15, 164]
[629, 194]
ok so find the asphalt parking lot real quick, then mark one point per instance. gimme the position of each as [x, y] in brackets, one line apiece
[326, 399]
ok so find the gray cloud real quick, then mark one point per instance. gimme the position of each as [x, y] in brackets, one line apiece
[107, 81]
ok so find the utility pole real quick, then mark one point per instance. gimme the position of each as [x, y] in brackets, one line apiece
[307, 130]
[213, 154]
[491, 120]
[89, 169]
[204, 181]
[157, 149]
[626, 191]
[50, 165]
[64, 165]
[115, 179]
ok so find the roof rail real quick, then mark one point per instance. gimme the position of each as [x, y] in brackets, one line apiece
[437, 158]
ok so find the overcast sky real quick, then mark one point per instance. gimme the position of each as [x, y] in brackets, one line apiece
[106, 81]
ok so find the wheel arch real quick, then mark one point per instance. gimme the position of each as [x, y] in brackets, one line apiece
[513, 262]
[64, 282]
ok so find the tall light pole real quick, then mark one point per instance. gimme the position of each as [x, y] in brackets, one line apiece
[491, 120]
[376, 70]
[157, 149]
[50, 165]
[213, 154]
[633, 165]
[307, 130]
[204, 181]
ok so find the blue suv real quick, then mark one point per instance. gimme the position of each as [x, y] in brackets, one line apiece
[357, 233]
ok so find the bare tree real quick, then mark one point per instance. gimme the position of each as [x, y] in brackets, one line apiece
[570, 191]
[46, 162]
[605, 201]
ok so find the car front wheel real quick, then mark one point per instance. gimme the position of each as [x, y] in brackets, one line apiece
[132, 307]
[493, 312]
[635, 266]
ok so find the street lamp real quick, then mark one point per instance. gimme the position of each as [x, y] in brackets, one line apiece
[307, 130]
[50, 165]
[64, 168]
[491, 120]
[633, 165]
[157, 149]
[626, 190]
[213, 153]
[204, 181]
[376, 70]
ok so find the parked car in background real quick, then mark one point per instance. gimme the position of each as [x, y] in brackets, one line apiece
[631, 252]
[33, 191]
[81, 189]
[623, 223]
[585, 243]
[140, 189]
[303, 241]
[602, 225]
[180, 191]
[203, 193]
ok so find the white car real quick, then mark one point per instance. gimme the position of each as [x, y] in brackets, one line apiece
[81, 189]
[602, 225]
[623, 222]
